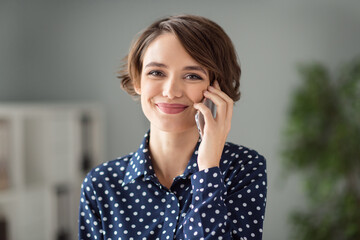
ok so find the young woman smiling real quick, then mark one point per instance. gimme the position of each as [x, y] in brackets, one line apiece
[177, 185]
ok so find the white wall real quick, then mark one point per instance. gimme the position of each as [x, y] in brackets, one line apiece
[70, 50]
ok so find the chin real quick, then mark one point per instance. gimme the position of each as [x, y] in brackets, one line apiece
[173, 127]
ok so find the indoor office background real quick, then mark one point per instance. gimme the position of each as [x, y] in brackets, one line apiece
[69, 52]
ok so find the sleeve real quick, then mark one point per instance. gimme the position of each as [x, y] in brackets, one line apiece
[228, 207]
[207, 218]
[89, 215]
[246, 199]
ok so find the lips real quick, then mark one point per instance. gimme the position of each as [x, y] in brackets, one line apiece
[171, 108]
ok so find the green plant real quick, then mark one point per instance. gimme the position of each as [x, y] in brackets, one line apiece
[322, 141]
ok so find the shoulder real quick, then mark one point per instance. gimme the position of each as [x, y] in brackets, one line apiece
[240, 154]
[243, 167]
[112, 172]
[238, 158]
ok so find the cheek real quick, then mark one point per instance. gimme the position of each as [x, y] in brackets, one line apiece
[149, 90]
[196, 93]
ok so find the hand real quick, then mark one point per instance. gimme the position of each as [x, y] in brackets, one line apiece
[216, 129]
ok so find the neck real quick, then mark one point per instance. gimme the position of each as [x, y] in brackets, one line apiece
[171, 152]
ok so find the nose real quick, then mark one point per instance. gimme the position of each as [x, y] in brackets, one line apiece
[172, 88]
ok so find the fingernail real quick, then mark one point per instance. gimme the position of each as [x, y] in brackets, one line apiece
[211, 88]
[206, 93]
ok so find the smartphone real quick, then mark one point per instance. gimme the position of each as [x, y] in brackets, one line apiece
[199, 117]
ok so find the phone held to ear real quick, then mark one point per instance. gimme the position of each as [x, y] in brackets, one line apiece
[199, 117]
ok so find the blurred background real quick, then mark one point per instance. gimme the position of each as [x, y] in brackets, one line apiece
[58, 64]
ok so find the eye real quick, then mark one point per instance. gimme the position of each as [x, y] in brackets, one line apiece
[156, 73]
[193, 77]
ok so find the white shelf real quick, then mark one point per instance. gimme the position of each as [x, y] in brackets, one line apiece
[46, 148]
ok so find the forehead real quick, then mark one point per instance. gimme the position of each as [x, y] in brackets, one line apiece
[167, 49]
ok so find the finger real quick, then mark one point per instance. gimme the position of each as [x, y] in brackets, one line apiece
[216, 89]
[208, 117]
[230, 102]
[217, 85]
[220, 93]
[221, 104]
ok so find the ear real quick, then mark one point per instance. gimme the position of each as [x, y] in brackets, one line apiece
[137, 90]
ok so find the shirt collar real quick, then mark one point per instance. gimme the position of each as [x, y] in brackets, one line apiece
[192, 166]
[140, 163]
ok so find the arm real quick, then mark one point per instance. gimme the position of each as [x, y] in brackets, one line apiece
[207, 218]
[228, 210]
[246, 199]
[238, 212]
[89, 218]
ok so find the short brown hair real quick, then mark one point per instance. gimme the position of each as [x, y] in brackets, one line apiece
[203, 39]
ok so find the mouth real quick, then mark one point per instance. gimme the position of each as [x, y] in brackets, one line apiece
[171, 108]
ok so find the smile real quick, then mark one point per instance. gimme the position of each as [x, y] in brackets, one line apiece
[171, 108]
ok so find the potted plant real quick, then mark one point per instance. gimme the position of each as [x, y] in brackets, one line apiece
[322, 142]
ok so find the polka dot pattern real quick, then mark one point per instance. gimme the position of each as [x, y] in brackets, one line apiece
[122, 199]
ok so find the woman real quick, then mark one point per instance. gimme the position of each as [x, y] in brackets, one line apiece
[178, 185]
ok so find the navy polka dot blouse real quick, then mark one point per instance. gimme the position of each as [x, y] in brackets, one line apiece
[123, 199]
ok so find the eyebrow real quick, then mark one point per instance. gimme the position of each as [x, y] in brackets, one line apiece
[196, 68]
[155, 64]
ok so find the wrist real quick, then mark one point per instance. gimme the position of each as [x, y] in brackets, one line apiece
[207, 164]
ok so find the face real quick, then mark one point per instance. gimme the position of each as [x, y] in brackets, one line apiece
[171, 82]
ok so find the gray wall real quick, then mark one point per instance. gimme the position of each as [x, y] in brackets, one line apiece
[71, 50]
